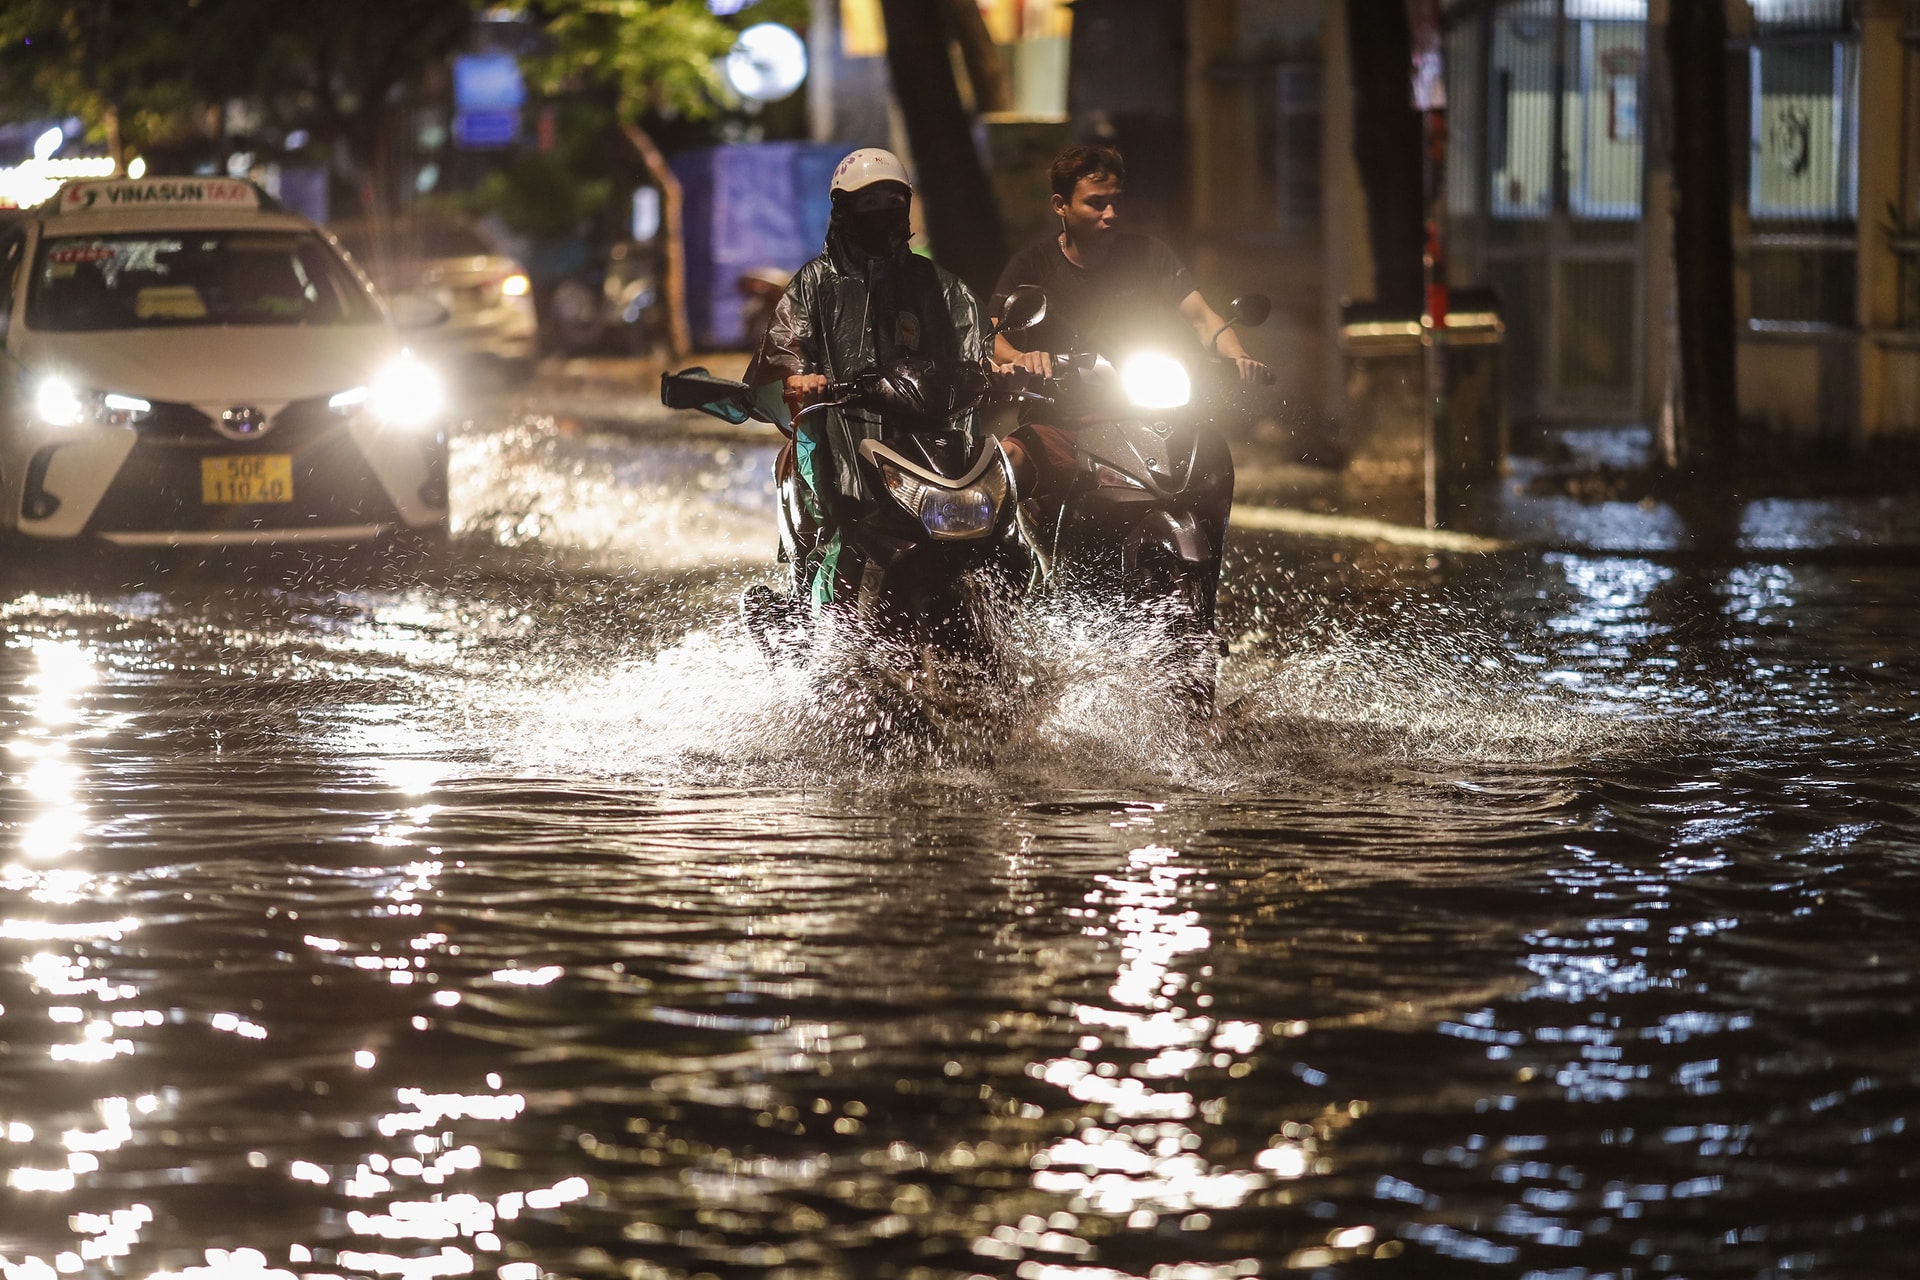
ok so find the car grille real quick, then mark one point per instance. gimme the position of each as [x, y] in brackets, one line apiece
[172, 423]
[175, 422]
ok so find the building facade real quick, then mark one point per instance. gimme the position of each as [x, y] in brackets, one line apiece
[1559, 197]
[1240, 119]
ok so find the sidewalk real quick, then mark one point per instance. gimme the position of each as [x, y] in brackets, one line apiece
[1602, 490]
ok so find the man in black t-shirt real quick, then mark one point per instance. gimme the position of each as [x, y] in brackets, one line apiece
[1098, 279]
[1138, 282]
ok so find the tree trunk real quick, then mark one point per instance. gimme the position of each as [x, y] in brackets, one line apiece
[992, 91]
[962, 218]
[373, 154]
[1706, 430]
[116, 145]
[1387, 148]
[673, 268]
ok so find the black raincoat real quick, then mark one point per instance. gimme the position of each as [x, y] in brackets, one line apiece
[847, 313]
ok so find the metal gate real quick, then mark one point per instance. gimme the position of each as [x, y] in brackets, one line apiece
[1545, 188]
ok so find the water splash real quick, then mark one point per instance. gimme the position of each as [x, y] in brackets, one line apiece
[1081, 697]
[614, 502]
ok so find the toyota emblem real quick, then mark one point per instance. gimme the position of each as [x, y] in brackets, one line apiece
[243, 420]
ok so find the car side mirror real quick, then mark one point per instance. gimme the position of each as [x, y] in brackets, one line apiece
[721, 398]
[1023, 308]
[1250, 310]
[416, 311]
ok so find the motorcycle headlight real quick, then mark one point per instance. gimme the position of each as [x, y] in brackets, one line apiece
[949, 513]
[1154, 381]
[406, 393]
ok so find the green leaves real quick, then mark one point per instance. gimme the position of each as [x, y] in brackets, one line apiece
[660, 56]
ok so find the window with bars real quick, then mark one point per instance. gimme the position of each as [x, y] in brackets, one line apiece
[1596, 72]
[1801, 105]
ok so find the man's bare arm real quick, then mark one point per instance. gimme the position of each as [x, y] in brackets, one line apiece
[1214, 333]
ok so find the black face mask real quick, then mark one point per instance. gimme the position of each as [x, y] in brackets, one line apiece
[878, 232]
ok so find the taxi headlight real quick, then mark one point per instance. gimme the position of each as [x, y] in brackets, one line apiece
[516, 286]
[1155, 381]
[124, 409]
[949, 513]
[404, 394]
[58, 403]
[349, 401]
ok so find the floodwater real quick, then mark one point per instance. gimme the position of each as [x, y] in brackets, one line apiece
[1542, 914]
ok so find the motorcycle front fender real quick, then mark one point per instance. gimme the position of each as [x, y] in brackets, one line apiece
[1175, 531]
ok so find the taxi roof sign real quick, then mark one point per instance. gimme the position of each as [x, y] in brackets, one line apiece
[127, 194]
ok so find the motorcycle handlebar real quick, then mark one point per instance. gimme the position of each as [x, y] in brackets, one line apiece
[1068, 362]
[838, 395]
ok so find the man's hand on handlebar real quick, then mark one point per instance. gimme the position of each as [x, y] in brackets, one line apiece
[1037, 363]
[1012, 376]
[1252, 371]
[802, 389]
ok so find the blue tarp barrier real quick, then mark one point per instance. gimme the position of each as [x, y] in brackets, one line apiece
[748, 205]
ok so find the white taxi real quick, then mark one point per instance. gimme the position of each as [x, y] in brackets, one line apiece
[187, 363]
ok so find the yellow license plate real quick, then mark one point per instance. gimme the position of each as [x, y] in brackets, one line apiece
[230, 479]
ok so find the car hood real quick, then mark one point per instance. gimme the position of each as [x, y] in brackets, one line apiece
[226, 365]
[399, 272]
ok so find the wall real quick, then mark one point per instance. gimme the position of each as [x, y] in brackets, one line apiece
[1272, 198]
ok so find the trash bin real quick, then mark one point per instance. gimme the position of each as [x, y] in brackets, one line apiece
[1386, 384]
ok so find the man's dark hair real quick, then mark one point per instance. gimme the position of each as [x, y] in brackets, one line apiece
[1091, 160]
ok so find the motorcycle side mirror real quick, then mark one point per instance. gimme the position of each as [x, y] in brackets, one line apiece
[1251, 310]
[721, 398]
[1022, 309]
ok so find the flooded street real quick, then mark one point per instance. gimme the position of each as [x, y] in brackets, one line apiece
[1552, 913]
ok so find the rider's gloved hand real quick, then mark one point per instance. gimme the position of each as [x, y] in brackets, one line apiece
[801, 389]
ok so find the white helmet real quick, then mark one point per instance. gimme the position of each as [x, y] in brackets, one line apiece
[867, 166]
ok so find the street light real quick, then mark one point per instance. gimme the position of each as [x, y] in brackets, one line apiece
[767, 63]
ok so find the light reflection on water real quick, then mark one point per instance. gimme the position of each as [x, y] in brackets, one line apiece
[517, 922]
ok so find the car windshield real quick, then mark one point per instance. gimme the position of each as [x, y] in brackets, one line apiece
[173, 279]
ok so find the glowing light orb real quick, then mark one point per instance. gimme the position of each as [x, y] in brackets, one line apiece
[767, 63]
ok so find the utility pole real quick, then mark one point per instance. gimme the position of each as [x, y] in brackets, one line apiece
[1706, 433]
[1430, 100]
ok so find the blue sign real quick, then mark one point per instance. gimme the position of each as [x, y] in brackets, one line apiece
[487, 82]
[477, 129]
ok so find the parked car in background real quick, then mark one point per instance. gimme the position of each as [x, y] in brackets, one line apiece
[487, 294]
[189, 364]
[609, 305]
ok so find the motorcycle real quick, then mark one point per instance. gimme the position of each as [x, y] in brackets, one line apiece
[1144, 519]
[614, 304]
[922, 552]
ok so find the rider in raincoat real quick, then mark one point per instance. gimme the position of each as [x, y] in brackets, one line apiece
[864, 304]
